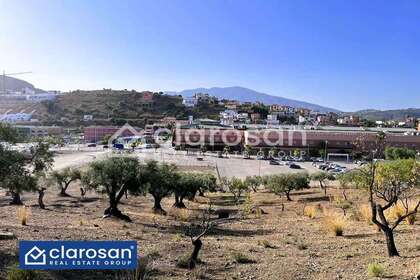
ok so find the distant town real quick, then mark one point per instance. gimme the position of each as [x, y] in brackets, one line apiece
[23, 109]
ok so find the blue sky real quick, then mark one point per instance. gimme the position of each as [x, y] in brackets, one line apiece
[348, 55]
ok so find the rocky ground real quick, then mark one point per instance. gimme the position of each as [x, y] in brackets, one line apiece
[276, 245]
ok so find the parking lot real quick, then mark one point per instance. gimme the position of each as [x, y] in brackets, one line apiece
[231, 166]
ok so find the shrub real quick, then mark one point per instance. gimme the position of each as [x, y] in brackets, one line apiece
[248, 205]
[180, 214]
[266, 244]
[242, 258]
[23, 215]
[15, 273]
[183, 262]
[310, 211]
[139, 274]
[302, 246]
[375, 270]
[335, 224]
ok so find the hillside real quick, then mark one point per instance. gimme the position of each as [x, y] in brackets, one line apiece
[110, 107]
[248, 95]
[386, 115]
[13, 84]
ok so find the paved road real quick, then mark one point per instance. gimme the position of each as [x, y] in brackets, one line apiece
[77, 158]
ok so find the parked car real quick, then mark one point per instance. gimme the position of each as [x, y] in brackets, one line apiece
[294, 166]
[274, 162]
[91, 145]
[260, 157]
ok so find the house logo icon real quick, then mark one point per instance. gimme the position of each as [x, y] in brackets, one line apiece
[35, 256]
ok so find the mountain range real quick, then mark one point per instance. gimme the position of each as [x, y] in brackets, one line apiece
[248, 95]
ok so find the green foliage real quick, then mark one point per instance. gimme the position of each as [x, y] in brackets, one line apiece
[159, 180]
[236, 187]
[15, 273]
[65, 177]
[253, 182]
[286, 183]
[375, 270]
[19, 171]
[395, 153]
[8, 133]
[183, 262]
[322, 178]
[188, 184]
[115, 176]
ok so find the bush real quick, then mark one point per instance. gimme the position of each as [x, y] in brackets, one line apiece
[302, 246]
[375, 270]
[266, 244]
[23, 215]
[139, 274]
[242, 258]
[180, 214]
[183, 262]
[335, 224]
[310, 212]
[15, 273]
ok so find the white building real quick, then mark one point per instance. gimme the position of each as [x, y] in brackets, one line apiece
[87, 118]
[19, 117]
[190, 101]
[40, 97]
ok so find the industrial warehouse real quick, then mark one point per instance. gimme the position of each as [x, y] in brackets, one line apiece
[289, 139]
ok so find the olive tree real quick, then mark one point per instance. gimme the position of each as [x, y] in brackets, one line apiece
[198, 229]
[19, 170]
[160, 180]
[186, 186]
[63, 178]
[322, 178]
[114, 176]
[253, 182]
[389, 184]
[208, 184]
[236, 187]
[189, 184]
[286, 183]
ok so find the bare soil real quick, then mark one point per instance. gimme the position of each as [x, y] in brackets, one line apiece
[280, 244]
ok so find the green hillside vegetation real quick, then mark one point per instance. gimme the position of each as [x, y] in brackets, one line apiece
[387, 115]
[111, 107]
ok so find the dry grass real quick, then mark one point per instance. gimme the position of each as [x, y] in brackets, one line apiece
[23, 214]
[183, 215]
[310, 211]
[375, 270]
[411, 219]
[395, 212]
[302, 240]
[366, 213]
[335, 223]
